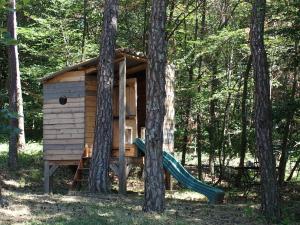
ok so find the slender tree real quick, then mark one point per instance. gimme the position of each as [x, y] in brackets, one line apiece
[17, 139]
[289, 119]
[243, 147]
[198, 119]
[99, 177]
[263, 120]
[155, 109]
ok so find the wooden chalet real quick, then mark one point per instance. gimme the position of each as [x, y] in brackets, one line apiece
[70, 109]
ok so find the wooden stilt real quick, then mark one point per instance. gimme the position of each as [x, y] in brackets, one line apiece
[122, 121]
[46, 177]
[168, 182]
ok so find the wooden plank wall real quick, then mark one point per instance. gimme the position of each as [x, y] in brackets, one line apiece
[169, 120]
[63, 125]
[90, 108]
[131, 110]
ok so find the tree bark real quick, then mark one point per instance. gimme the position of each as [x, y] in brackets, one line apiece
[98, 177]
[155, 109]
[17, 139]
[263, 117]
[212, 129]
[287, 128]
[243, 148]
[198, 119]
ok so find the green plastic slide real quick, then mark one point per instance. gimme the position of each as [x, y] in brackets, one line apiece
[213, 194]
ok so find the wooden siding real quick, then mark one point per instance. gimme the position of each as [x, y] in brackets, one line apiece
[90, 110]
[63, 125]
[169, 120]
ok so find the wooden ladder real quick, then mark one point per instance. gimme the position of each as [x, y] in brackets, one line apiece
[83, 168]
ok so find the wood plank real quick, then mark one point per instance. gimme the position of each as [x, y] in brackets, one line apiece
[64, 110]
[63, 131]
[46, 177]
[130, 151]
[62, 157]
[69, 100]
[137, 68]
[68, 76]
[65, 141]
[63, 115]
[63, 162]
[62, 136]
[68, 105]
[61, 126]
[122, 125]
[56, 95]
[130, 123]
[50, 147]
[64, 121]
[72, 86]
[63, 152]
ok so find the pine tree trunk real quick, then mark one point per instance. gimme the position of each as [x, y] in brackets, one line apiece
[263, 119]
[99, 178]
[212, 131]
[155, 109]
[243, 147]
[17, 140]
[198, 119]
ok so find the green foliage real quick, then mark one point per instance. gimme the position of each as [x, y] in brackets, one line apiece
[5, 127]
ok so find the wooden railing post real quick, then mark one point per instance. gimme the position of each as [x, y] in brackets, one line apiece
[122, 125]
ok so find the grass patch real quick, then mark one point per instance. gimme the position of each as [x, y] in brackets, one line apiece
[27, 205]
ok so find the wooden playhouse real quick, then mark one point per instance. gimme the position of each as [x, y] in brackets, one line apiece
[70, 109]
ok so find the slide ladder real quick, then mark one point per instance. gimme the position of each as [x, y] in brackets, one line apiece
[214, 195]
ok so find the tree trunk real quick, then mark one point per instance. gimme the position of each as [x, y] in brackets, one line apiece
[99, 178]
[155, 110]
[243, 147]
[263, 117]
[212, 131]
[198, 119]
[287, 128]
[17, 140]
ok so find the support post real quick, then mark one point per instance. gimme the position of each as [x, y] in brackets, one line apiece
[122, 124]
[46, 177]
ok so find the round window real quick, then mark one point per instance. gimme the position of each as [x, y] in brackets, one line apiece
[63, 100]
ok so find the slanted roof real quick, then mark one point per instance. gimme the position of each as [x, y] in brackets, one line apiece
[133, 58]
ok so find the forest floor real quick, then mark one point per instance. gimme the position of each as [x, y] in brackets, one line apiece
[23, 190]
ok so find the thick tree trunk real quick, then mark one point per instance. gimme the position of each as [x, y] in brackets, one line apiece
[17, 140]
[263, 117]
[155, 110]
[287, 128]
[243, 147]
[99, 178]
